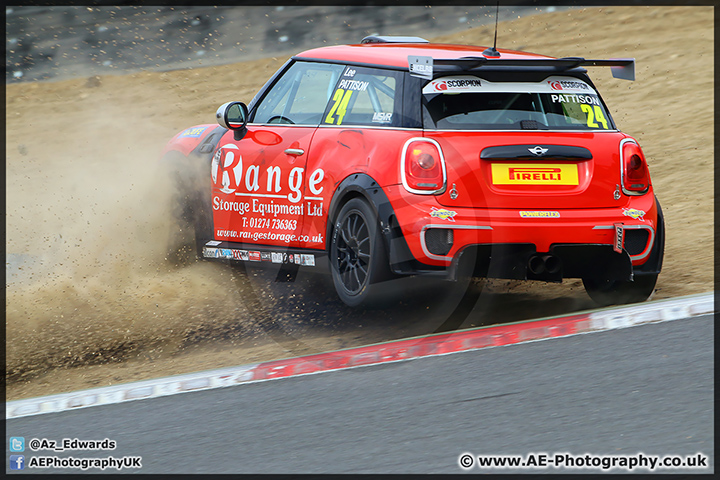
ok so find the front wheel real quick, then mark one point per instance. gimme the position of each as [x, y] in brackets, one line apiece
[358, 260]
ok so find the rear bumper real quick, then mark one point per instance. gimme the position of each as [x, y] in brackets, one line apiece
[604, 242]
[523, 262]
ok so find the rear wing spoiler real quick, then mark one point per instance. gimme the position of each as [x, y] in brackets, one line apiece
[424, 67]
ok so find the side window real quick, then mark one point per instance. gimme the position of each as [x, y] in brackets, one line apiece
[365, 96]
[300, 95]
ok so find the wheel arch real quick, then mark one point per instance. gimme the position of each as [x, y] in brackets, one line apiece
[653, 265]
[362, 185]
[353, 186]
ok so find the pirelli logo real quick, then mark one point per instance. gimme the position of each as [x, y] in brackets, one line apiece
[534, 174]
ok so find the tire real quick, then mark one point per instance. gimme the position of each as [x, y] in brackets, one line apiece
[617, 292]
[358, 258]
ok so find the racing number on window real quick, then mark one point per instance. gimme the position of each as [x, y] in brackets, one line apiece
[594, 113]
[341, 100]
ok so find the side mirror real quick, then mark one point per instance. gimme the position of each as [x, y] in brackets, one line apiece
[233, 116]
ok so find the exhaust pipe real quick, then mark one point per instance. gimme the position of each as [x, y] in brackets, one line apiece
[552, 264]
[539, 264]
[536, 264]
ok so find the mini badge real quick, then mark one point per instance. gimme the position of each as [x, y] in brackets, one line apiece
[634, 214]
[443, 214]
[538, 151]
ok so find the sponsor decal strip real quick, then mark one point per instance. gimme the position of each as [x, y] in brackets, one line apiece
[307, 260]
[438, 344]
[564, 89]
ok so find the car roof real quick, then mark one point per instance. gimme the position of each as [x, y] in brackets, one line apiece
[396, 54]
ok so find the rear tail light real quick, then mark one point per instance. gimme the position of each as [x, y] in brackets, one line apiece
[423, 167]
[635, 175]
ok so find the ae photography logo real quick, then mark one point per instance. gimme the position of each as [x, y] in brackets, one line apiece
[22, 462]
[587, 461]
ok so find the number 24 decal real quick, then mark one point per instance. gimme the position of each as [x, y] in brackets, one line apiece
[341, 100]
[594, 114]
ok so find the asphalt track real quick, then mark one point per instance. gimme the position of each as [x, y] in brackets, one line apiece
[647, 389]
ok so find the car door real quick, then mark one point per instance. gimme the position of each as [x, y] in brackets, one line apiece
[259, 180]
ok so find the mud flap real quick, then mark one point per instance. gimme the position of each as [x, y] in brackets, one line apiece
[601, 262]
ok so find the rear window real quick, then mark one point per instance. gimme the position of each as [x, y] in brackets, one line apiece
[472, 103]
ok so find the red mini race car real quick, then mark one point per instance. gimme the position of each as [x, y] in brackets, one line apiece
[398, 157]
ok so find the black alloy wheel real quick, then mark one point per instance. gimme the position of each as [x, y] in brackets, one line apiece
[357, 254]
[353, 252]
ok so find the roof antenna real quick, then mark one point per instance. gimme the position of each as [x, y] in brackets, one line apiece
[492, 52]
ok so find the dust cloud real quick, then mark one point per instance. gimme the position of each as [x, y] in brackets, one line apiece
[89, 230]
